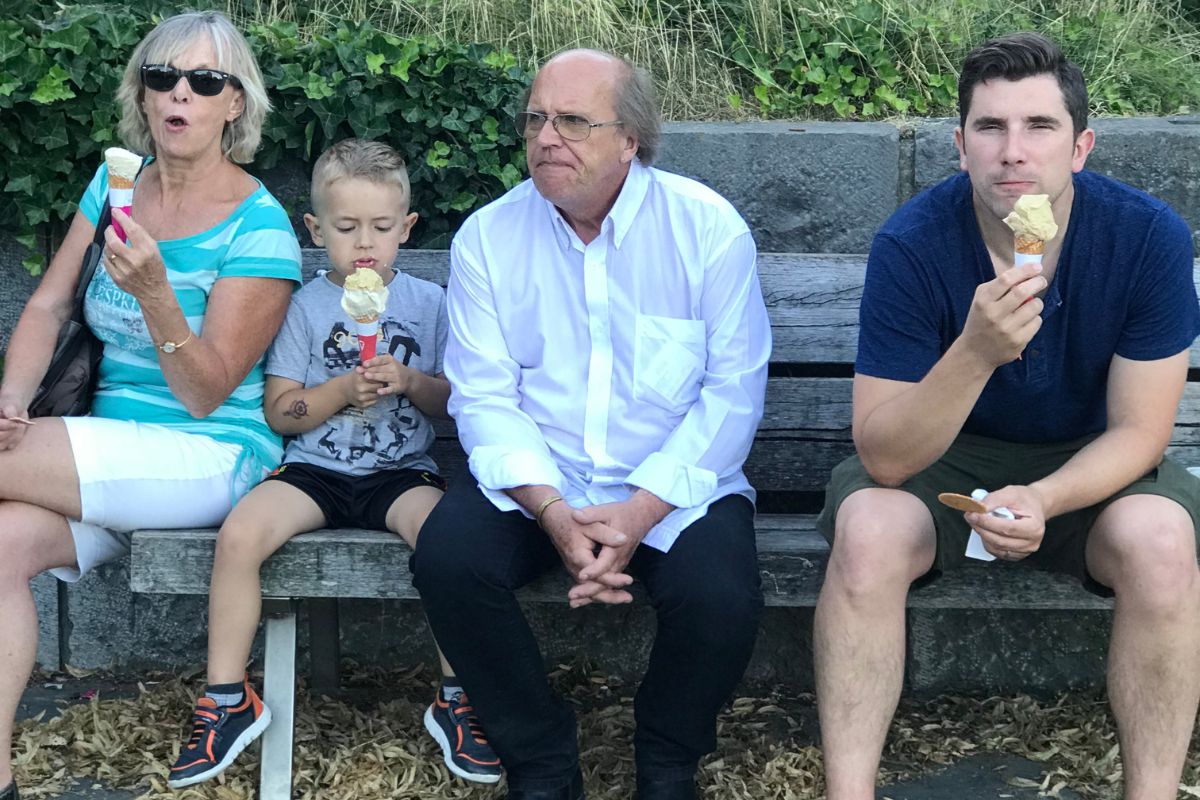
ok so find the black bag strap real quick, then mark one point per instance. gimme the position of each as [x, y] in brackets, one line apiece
[91, 258]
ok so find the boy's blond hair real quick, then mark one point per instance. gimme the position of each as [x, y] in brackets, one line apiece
[359, 158]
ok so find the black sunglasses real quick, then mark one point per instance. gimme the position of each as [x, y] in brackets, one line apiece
[204, 82]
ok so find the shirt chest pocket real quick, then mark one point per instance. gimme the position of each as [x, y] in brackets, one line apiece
[669, 360]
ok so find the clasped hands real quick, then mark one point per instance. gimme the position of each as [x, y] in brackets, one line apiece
[597, 542]
[379, 377]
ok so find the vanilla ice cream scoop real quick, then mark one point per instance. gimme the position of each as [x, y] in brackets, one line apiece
[1032, 218]
[364, 296]
[123, 167]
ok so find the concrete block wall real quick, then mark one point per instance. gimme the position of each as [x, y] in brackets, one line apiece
[803, 187]
[825, 187]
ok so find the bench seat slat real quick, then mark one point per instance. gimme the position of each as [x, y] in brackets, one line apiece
[373, 564]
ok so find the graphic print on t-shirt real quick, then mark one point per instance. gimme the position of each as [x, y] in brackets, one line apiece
[354, 435]
[115, 315]
[341, 348]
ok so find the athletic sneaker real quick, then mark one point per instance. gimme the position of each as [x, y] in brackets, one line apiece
[219, 734]
[465, 748]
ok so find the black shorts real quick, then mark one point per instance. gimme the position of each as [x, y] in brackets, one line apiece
[354, 501]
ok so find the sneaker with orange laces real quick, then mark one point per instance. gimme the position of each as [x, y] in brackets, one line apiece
[465, 749]
[219, 735]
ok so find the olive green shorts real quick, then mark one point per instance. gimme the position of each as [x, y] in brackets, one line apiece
[976, 462]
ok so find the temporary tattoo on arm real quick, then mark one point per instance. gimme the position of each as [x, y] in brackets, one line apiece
[299, 409]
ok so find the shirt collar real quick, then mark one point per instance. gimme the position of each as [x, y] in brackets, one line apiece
[629, 201]
[620, 217]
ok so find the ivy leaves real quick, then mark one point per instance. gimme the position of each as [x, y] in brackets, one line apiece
[51, 76]
[445, 107]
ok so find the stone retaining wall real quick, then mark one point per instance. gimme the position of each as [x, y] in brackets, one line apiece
[803, 187]
[812, 187]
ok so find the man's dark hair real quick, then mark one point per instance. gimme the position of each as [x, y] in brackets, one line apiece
[1018, 56]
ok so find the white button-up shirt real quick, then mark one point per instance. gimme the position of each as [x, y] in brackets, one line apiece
[636, 360]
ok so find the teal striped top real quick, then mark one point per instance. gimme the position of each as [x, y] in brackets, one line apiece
[256, 241]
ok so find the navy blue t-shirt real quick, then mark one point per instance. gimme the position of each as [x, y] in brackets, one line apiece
[1123, 286]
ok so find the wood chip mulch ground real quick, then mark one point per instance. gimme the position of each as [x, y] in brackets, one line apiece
[372, 744]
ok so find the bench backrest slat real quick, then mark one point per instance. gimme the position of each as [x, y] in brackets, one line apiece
[813, 302]
[812, 299]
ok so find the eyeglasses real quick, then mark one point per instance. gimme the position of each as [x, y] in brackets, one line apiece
[204, 82]
[571, 127]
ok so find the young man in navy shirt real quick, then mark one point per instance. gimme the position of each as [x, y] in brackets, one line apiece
[1054, 386]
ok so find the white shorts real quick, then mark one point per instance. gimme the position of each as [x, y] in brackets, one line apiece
[136, 475]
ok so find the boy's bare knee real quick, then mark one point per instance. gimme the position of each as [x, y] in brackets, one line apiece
[238, 543]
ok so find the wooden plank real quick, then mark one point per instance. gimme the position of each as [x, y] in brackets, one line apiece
[279, 695]
[812, 299]
[356, 563]
[814, 322]
[805, 433]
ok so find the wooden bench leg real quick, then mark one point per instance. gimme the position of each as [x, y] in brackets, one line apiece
[324, 645]
[279, 693]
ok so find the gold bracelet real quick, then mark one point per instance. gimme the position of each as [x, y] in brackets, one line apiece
[170, 347]
[549, 501]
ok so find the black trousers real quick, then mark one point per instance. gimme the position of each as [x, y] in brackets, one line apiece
[470, 559]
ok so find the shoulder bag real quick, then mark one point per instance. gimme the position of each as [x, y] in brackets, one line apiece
[67, 387]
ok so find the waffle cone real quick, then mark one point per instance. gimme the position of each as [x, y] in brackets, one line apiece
[366, 320]
[1030, 245]
[119, 182]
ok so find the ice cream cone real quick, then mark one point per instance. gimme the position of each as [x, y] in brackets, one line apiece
[368, 337]
[118, 182]
[1029, 245]
[123, 168]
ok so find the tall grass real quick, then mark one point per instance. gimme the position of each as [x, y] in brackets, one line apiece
[1138, 55]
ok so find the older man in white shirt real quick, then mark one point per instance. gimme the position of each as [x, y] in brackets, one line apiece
[608, 357]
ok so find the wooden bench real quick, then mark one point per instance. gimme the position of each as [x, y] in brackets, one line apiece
[813, 303]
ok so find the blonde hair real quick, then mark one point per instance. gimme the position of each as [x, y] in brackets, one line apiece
[359, 158]
[169, 39]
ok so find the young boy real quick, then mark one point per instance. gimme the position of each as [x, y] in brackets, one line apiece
[359, 458]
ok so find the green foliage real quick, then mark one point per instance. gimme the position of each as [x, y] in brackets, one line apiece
[840, 66]
[881, 58]
[446, 107]
[51, 74]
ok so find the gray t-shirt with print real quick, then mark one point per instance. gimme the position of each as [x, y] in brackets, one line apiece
[317, 343]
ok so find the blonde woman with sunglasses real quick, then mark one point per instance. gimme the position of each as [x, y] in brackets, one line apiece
[185, 309]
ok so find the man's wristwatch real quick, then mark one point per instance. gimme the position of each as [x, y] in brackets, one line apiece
[171, 347]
